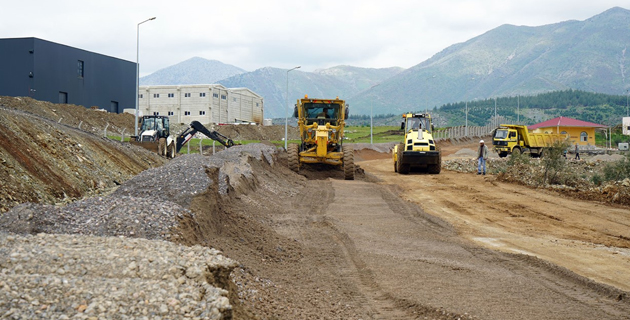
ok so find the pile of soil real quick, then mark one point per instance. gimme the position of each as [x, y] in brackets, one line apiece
[90, 119]
[44, 161]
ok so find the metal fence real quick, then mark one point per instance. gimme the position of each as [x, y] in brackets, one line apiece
[461, 132]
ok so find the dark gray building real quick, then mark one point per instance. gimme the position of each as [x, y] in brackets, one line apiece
[48, 71]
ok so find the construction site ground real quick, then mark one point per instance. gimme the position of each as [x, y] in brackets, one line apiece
[315, 246]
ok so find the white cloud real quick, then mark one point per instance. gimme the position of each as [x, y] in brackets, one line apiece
[255, 34]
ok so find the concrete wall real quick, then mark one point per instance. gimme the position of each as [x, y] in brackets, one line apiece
[47, 71]
[203, 103]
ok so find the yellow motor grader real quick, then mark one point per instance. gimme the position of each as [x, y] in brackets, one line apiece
[321, 123]
[419, 148]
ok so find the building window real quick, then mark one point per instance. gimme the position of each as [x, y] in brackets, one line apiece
[63, 97]
[234, 99]
[584, 136]
[141, 96]
[171, 113]
[257, 104]
[187, 95]
[80, 68]
[156, 113]
[215, 95]
[171, 95]
[156, 95]
[223, 97]
[186, 113]
[202, 113]
[203, 94]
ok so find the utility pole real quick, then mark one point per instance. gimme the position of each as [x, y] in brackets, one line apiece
[518, 108]
[286, 111]
[495, 113]
[371, 112]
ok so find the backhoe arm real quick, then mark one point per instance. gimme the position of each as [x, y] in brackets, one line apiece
[195, 127]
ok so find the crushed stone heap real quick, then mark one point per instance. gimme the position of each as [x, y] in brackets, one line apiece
[68, 276]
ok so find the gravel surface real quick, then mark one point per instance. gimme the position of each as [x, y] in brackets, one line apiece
[78, 260]
[81, 277]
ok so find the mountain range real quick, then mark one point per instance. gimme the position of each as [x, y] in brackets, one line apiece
[195, 70]
[589, 55]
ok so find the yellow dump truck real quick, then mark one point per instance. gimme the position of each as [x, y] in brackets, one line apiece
[511, 138]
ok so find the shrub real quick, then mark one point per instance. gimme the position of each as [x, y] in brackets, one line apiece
[618, 170]
[518, 158]
[554, 162]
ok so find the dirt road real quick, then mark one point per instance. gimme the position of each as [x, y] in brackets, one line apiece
[589, 238]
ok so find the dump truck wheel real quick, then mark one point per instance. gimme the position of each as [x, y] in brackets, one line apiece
[162, 147]
[348, 163]
[395, 166]
[502, 154]
[402, 168]
[516, 151]
[292, 157]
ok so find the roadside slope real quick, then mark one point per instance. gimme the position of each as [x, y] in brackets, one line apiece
[43, 161]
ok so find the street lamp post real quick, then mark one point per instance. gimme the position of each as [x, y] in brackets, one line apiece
[518, 109]
[371, 112]
[466, 118]
[496, 121]
[627, 113]
[466, 132]
[286, 114]
[138, 70]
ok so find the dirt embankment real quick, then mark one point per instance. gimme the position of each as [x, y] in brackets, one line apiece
[44, 161]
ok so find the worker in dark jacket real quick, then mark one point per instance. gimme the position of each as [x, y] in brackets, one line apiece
[577, 152]
[482, 156]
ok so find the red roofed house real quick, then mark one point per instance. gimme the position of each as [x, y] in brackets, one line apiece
[580, 132]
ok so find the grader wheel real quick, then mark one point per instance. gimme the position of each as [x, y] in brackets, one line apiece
[293, 157]
[348, 163]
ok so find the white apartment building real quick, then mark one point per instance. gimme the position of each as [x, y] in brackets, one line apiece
[209, 103]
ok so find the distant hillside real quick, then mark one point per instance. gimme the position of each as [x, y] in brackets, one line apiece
[588, 55]
[587, 106]
[341, 81]
[192, 71]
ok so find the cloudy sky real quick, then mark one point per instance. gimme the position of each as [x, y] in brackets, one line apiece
[253, 34]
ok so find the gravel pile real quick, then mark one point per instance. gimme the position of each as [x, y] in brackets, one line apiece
[82, 277]
[187, 176]
[83, 264]
[148, 205]
[99, 216]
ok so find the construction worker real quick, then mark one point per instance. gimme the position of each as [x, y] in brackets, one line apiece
[482, 156]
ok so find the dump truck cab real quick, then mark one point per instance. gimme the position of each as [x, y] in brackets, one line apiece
[504, 140]
[418, 148]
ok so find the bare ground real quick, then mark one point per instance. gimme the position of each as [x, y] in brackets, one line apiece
[385, 246]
